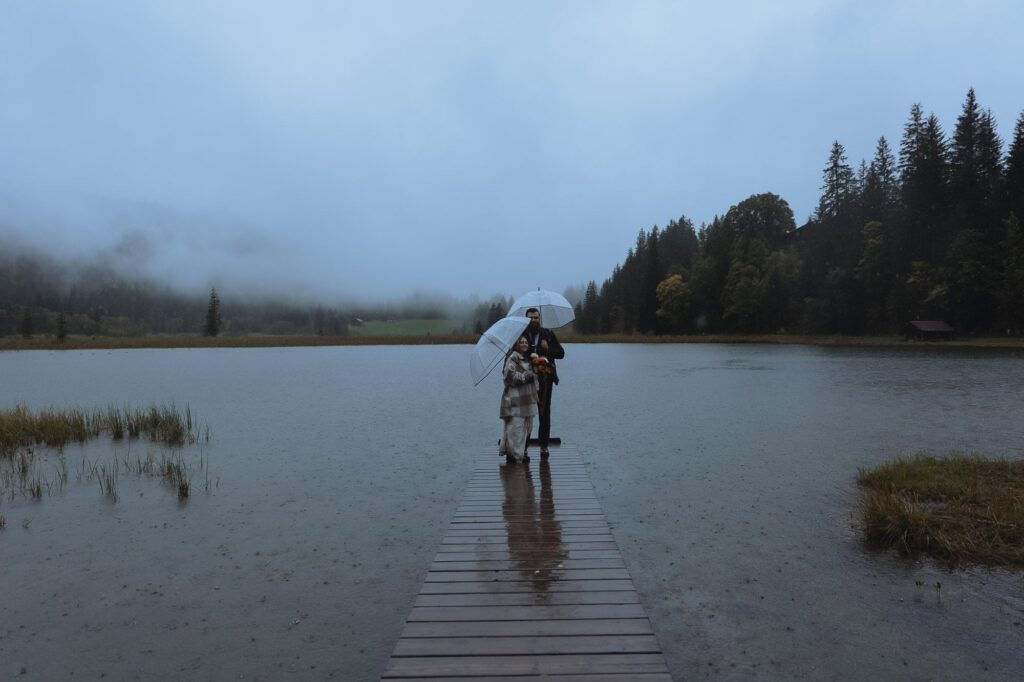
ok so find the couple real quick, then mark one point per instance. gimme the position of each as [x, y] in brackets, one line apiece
[529, 376]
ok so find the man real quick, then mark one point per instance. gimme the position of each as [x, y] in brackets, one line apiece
[543, 342]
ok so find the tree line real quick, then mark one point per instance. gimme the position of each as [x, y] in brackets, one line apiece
[39, 295]
[929, 231]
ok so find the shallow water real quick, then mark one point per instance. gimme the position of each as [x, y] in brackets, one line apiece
[726, 471]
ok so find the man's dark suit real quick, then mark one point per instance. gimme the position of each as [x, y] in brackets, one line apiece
[547, 381]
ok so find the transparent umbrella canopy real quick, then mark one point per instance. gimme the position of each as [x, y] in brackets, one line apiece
[493, 344]
[555, 311]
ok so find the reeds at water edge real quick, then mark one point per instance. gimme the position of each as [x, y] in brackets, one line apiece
[25, 436]
[55, 428]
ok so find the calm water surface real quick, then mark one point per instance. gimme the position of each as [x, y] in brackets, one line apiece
[726, 471]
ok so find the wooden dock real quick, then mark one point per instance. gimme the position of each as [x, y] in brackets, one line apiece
[528, 583]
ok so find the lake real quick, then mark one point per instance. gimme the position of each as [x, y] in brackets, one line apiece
[727, 473]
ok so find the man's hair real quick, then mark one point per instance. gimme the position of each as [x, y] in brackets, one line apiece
[532, 310]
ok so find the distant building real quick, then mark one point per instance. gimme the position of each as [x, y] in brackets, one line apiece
[928, 330]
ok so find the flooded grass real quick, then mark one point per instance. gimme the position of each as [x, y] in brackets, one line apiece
[20, 427]
[959, 509]
[30, 440]
[26, 473]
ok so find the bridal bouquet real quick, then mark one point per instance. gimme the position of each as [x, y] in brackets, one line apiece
[540, 364]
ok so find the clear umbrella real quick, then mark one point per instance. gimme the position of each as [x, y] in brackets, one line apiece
[555, 311]
[494, 344]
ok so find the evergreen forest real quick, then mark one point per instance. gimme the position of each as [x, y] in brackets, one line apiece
[928, 231]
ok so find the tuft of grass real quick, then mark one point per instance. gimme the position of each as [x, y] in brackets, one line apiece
[959, 509]
[108, 481]
[35, 487]
[173, 471]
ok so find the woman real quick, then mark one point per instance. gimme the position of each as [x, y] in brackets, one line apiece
[518, 403]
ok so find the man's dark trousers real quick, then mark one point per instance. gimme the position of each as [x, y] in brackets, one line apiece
[544, 432]
[553, 352]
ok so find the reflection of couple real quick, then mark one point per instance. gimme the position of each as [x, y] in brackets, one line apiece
[529, 376]
[534, 533]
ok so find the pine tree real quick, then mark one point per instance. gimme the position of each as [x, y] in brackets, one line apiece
[976, 171]
[213, 320]
[964, 172]
[992, 172]
[588, 323]
[885, 167]
[923, 178]
[1013, 195]
[910, 144]
[838, 187]
[935, 165]
[879, 195]
[905, 237]
[62, 326]
[650, 277]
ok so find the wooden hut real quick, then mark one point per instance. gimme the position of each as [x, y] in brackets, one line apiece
[928, 330]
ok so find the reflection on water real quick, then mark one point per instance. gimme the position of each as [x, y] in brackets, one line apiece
[534, 531]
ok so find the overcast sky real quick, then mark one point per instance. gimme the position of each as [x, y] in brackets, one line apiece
[372, 149]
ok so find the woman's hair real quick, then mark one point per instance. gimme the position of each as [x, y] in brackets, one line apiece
[513, 348]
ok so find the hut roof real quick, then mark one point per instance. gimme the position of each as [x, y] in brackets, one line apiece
[931, 325]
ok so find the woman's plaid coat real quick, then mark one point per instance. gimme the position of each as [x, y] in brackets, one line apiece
[519, 399]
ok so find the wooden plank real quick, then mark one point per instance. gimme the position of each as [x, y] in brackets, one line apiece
[520, 646]
[504, 508]
[543, 524]
[545, 664]
[470, 547]
[509, 540]
[530, 628]
[498, 576]
[539, 561]
[518, 530]
[528, 598]
[620, 677]
[505, 554]
[523, 586]
[489, 613]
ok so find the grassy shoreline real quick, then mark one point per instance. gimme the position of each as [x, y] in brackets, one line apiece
[272, 341]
